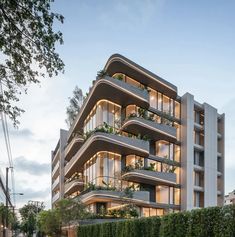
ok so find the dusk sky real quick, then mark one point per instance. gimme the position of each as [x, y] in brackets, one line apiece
[189, 43]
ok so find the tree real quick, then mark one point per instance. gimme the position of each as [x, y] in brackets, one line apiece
[28, 215]
[49, 222]
[75, 104]
[6, 212]
[28, 46]
[70, 210]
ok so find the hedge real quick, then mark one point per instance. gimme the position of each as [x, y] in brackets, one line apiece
[206, 222]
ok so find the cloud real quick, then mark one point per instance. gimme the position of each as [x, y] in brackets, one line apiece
[21, 132]
[13, 132]
[43, 195]
[30, 194]
[31, 167]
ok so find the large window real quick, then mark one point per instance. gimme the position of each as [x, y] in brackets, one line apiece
[164, 103]
[198, 138]
[152, 212]
[167, 150]
[134, 161]
[162, 194]
[103, 169]
[153, 99]
[167, 195]
[103, 112]
[158, 100]
[198, 179]
[198, 199]
[177, 110]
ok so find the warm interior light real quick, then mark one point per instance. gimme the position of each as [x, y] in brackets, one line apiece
[152, 98]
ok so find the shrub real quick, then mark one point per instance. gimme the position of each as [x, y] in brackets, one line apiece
[206, 222]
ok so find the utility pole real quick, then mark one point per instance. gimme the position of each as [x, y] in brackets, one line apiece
[5, 230]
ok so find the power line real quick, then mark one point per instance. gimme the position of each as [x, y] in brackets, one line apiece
[8, 146]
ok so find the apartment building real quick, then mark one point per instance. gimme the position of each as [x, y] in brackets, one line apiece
[135, 132]
[229, 198]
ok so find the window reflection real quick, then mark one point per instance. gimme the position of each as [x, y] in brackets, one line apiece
[134, 161]
[103, 169]
[167, 150]
[103, 112]
[162, 194]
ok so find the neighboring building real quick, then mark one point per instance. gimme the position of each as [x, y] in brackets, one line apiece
[230, 198]
[134, 130]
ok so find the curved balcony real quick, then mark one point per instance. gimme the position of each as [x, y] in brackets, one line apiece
[99, 141]
[150, 177]
[107, 195]
[73, 186]
[114, 90]
[155, 131]
[73, 147]
[119, 64]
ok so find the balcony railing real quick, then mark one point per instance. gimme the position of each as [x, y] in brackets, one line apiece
[55, 183]
[73, 146]
[150, 177]
[138, 196]
[100, 141]
[121, 93]
[55, 169]
[141, 125]
[73, 186]
[55, 197]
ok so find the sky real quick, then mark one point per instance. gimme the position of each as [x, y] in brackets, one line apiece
[189, 43]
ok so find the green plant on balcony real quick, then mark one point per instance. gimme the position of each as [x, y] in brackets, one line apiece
[132, 115]
[101, 74]
[87, 135]
[168, 168]
[85, 96]
[151, 167]
[108, 186]
[144, 88]
[142, 113]
[93, 187]
[150, 117]
[119, 77]
[167, 118]
[128, 211]
[145, 138]
[139, 164]
[128, 192]
[128, 168]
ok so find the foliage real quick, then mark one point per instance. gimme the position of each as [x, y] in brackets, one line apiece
[7, 212]
[166, 118]
[70, 210]
[49, 222]
[101, 74]
[28, 215]
[92, 187]
[143, 227]
[74, 107]
[142, 113]
[127, 211]
[206, 222]
[27, 44]
[120, 77]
